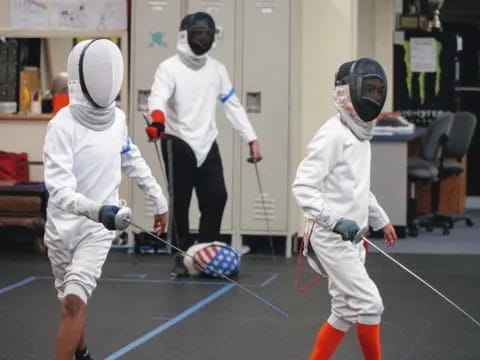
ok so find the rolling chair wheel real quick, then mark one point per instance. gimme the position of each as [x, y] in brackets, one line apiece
[469, 222]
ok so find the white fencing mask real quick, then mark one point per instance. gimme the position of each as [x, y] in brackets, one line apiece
[95, 75]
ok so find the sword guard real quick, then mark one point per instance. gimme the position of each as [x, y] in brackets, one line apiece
[254, 159]
[359, 235]
[123, 214]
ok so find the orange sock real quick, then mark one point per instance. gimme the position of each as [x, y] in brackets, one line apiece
[327, 341]
[369, 338]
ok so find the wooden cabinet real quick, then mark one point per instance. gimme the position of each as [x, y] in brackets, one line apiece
[24, 206]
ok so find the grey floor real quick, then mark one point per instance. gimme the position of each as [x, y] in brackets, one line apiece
[137, 313]
[462, 240]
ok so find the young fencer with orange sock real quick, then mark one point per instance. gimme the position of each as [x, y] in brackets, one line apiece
[332, 186]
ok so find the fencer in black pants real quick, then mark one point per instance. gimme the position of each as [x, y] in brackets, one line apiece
[210, 189]
[182, 104]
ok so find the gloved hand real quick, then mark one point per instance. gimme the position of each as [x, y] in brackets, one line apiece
[106, 216]
[156, 129]
[346, 228]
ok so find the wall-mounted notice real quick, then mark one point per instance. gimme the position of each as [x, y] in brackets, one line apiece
[65, 15]
[422, 54]
[28, 14]
[88, 14]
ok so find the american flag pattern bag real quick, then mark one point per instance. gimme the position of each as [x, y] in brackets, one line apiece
[212, 259]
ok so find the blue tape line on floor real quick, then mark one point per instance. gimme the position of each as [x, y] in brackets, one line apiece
[269, 280]
[18, 284]
[169, 323]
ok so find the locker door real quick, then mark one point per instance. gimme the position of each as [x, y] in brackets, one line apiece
[266, 56]
[223, 12]
[154, 38]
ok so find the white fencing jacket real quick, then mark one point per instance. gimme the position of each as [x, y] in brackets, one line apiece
[83, 171]
[333, 181]
[189, 98]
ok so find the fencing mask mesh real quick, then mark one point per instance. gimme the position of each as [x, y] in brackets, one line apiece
[367, 84]
[97, 66]
[95, 74]
[201, 29]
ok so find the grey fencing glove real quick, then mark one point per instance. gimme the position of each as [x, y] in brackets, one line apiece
[346, 228]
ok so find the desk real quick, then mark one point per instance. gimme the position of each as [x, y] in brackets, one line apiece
[389, 175]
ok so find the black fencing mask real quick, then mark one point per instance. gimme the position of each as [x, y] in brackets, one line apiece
[368, 86]
[200, 29]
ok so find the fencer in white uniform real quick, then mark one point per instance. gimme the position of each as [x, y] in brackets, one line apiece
[332, 186]
[86, 148]
[184, 96]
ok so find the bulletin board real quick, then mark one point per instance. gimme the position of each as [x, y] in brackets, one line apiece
[68, 15]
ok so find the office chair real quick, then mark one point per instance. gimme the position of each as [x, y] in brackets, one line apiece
[426, 169]
[457, 146]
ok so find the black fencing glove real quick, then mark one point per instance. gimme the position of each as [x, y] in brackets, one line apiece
[106, 216]
[346, 228]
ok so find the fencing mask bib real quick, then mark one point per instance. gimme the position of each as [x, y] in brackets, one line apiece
[95, 75]
[212, 259]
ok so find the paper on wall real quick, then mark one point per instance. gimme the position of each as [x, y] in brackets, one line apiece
[28, 14]
[422, 54]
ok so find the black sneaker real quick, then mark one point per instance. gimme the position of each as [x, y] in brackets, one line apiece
[83, 355]
[178, 270]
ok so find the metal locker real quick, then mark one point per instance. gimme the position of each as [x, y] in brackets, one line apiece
[223, 12]
[153, 39]
[266, 73]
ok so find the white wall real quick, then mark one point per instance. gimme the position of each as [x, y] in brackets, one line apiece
[384, 17]
[59, 50]
[327, 39]
[332, 32]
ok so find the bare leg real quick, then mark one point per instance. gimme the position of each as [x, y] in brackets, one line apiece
[82, 344]
[70, 332]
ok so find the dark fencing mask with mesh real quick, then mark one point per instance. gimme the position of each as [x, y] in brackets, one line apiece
[201, 30]
[368, 86]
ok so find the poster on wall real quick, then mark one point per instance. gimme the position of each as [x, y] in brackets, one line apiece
[88, 14]
[423, 54]
[28, 14]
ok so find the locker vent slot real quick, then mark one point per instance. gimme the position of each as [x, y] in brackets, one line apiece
[258, 210]
[212, 6]
[157, 5]
[206, 3]
[267, 7]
